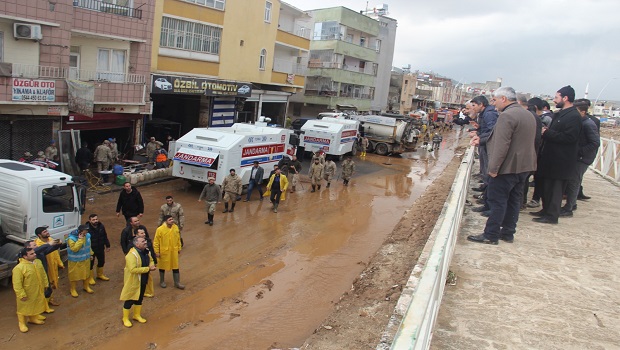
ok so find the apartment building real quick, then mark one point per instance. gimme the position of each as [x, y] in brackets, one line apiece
[74, 71]
[217, 62]
[348, 63]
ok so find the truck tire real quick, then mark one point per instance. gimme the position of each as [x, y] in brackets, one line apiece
[354, 150]
[382, 149]
[340, 157]
[9, 251]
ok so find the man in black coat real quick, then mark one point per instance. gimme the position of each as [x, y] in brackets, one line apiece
[83, 157]
[130, 201]
[558, 155]
[256, 181]
[130, 231]
[597, 122]
[589, 142]
[99, 244]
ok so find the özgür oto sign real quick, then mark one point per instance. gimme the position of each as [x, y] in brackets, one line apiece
[30, 90]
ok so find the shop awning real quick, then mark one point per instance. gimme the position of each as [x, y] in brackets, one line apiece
[196, 157]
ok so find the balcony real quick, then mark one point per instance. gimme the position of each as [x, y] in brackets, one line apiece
[289, 67]
[45, 72]
[115, 7]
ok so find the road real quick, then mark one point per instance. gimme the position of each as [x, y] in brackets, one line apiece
[254, 280]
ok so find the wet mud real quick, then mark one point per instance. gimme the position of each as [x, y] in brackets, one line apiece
[255, 279]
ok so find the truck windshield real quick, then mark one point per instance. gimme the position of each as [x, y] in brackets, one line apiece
[58, 199]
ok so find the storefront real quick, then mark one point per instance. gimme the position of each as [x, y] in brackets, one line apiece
[191, 102]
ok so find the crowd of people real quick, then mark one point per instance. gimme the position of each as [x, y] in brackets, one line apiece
[35, 277]
[519, 140]
[47, 159]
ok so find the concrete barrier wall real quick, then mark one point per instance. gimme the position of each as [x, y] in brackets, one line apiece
[413, 319]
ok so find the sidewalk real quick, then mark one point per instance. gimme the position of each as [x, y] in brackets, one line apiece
[555, 287]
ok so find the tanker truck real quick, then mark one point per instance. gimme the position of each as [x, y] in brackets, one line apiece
[389, 133]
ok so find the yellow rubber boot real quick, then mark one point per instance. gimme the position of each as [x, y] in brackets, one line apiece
[91, 279]
[136, 314]
[126, 321]
[22, 323]
[74, 293]
[100, 274]
[48, 310]
[40, 317]
[87, 287]
[35, 320]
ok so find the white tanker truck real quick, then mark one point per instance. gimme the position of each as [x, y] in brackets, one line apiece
[389, 133]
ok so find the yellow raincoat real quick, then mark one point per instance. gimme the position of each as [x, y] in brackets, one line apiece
[53, 263]
[30, 280]
[283, 186]
[132, 275]
[167, 244]
[78, 270]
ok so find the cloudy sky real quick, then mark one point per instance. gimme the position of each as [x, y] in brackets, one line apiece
[535, 46]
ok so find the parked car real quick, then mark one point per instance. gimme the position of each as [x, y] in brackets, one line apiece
[298, 123]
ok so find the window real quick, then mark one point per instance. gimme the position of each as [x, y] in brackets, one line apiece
[74, 63]
[268, 6]
[378, 45]
[363, 41]
[328, 31]
[216, 4]
[58, 199]
[111, 65]
[184, 35]
[262, 60]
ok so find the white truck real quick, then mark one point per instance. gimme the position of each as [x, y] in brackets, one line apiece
[34, 196]
[212, 152]
[389, 133]
[334, 136]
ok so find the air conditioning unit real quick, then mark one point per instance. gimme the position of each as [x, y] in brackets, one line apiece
[27, 31]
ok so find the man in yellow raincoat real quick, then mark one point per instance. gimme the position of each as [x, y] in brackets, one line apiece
[167, 246]
[80, 254]
[53, 259]
[138, 264]
[276, 189]
[29, 283]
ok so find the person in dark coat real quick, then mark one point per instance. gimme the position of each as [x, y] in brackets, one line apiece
[256, 181]
[130, 201]
[487, 117]
[99, 244]
[589, 142]
[130, 231]
[558, 155]
[83, 157]
[597, 122]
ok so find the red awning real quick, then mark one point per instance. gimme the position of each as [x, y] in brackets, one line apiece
[99, 121]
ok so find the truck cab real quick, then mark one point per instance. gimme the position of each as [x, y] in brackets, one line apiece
[34, 196]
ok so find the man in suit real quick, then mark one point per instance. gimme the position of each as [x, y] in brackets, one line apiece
[256, 179]
[512, 156]
[558, 155]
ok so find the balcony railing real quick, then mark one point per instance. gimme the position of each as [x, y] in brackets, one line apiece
[46, 72]
[369, 69]
[110, 6]
[290, 67]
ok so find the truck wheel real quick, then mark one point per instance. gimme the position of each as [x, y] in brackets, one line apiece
[340, 157]
[9, 251]
[382, 149]
[354, 150]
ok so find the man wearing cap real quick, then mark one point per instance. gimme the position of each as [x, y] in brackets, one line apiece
[329, 171]
[51, 152]
[79, 254]
[558, 155]
[316, 173]
[212, 194]
[103, 156]
[256, 179]
[26, 158]
[136, 276]
[150, 149]
[167, 245]
[231, 187]
[29, 283]
[99, 245]
[52, 260]
[130, 201]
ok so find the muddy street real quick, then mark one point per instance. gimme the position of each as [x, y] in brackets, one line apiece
[253, 280]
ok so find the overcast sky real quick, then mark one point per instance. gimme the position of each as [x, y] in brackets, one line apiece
[535, 46]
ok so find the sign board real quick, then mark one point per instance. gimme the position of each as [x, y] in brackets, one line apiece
[117, 109]
[54, 110]
[31, 90]
[168, 84]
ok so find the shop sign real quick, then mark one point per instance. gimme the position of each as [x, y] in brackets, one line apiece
[54, 110]
[30, 90]
[168, 84]
[116, 109]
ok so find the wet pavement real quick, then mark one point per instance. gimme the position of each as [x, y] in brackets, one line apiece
[255, 279]
[555, 287]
